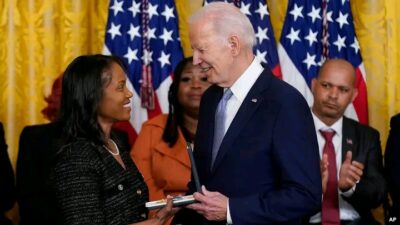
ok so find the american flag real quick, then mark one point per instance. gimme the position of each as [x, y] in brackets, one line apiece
[145, 34]
[313, 31]
[258, 14]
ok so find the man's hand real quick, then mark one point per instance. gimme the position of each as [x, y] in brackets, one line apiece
[350, 173]
[212, 205]
[324, 171]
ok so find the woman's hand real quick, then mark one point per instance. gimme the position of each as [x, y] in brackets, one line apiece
[166, 212]
[162, 215]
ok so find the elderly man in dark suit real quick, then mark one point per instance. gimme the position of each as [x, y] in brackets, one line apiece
[255, 146]
[392, 168]
[352, 171]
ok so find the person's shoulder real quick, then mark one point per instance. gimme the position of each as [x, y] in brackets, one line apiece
[2, 138]
[158, 121]
[281, 86]
[280, 92]
[1, 129]
[361, 127]
[395, 121]
[81, 148]
[78, 155]
[41, 130]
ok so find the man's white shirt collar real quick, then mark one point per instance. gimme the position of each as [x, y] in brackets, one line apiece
[244, 83]
[319, 125]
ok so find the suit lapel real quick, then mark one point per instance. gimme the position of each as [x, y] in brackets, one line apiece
[349, 141]
[249, 105]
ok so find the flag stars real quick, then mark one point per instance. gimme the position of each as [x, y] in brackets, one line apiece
[152, 34]
[261, 34]
[131, 55]
[262, 56]
[340, 42]
[311, 37]
[166, 36]
[117, 7]
[310, 60]
[245, 9]
[296, 12]
[114, 30]
[329, 16]
[164, 59]
[342, 19]
[135, 8]
[153, 10]
[293, 35]
[168, 13]
[314, 14]
[262, 10]
[147, 57]
[355, 45]
[133, 32]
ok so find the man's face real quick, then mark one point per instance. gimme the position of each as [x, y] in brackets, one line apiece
[212, 53]
[333, 91]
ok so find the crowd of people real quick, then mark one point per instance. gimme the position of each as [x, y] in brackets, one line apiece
[263, 155]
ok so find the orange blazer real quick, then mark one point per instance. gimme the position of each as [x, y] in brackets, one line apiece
[166, 170]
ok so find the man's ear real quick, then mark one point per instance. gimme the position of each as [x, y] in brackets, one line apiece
[234, 45]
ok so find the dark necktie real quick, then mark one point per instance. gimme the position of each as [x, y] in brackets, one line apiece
[330, 203]
[219, 128]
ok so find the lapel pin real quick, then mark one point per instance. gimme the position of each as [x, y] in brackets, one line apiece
[254, 100]
[349, 141]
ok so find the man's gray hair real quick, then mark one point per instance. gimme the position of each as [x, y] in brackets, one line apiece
[227, 20]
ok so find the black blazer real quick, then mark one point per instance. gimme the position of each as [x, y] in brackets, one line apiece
[364, 142]
[7, 188]
[392, 165]
[92, 188]
[37, 145]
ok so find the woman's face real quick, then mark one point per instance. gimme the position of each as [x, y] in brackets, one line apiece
[192, 84]
[115, 104]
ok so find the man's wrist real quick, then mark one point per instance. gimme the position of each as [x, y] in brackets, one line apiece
[349, 192]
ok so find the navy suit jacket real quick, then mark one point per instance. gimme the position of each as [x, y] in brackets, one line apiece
[268, 162]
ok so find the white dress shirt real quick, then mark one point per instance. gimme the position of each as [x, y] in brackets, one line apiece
[347, 212]
[240, 89]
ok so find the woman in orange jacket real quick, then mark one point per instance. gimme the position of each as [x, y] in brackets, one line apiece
[160, 149]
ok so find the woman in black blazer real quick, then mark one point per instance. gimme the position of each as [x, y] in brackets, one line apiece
[94, 178]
